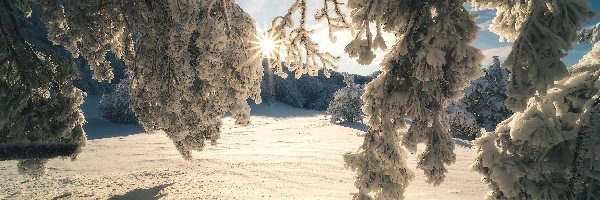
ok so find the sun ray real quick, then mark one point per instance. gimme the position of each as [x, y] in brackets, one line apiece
[266, 44]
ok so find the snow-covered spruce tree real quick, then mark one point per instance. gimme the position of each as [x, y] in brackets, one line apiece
[462, 123]
[483, 102]
[38, 102]
[429, 65]
[115, 107]
[487, 96]
[287, 91]
[346, 104]
[189, 61]
[589, 35]
[542, 30]
[552, 149]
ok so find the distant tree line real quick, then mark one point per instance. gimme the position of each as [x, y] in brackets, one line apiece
[307, 92]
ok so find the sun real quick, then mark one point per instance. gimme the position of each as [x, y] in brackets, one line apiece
[266, 44]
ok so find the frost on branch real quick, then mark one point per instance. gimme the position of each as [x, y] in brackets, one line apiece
[542, 31]
[336, 21]
[346, 103]
[302, 54]
[188, 71]
[363, 13]
[38, 101]
[589, 35]
[88, 28]
[429, 65]
[189, 61]
[551, 150]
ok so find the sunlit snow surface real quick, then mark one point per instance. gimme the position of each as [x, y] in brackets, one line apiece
[286, 153]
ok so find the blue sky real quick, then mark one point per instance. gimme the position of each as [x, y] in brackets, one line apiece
[264, 11]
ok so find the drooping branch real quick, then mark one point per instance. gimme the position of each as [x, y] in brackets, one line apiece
[548, 151]
[302, 53]
[542, 31]
[189, 61]
[363, 14]
[430, 64]
[39, 102]
[336, 21]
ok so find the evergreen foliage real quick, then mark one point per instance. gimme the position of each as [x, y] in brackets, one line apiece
[35, 32]
[551, 149]
[482, 106]
[189, 62]
[289, 93]
[38, 100]
[463, 124]
[90, 86]
[302, 53]
[430, 63]
[307, 92]
[541, 30]
[531, 154]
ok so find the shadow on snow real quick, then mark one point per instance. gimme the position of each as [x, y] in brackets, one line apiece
[143, 193]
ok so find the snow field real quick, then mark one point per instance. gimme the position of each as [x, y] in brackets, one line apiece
[286, 153]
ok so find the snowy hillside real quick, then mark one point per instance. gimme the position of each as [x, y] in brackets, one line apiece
[286, 153]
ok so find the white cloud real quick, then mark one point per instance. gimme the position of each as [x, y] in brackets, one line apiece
[483, 17]
[501, 52]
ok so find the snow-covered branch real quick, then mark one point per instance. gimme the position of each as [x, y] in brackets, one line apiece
[336, 21]
[538, 153]
[429, 65]
[189, 61]
[541, 31]
[365, 12]
[589, 35]
[38, 101]
[302, 53]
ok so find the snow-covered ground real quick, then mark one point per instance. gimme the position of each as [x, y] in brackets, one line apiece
[286, 153]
